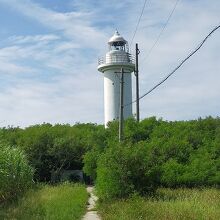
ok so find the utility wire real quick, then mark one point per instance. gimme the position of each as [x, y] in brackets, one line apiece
[162, 30]
[136, 28]
[183, 61]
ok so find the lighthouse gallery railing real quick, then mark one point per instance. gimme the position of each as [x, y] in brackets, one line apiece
[117, 58]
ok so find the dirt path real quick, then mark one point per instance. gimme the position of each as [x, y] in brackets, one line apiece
[91, 214]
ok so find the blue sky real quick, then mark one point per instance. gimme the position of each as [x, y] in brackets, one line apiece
[49, 52]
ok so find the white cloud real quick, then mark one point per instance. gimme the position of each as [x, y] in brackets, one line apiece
[75, 25]
[11, 68]
[33, 39]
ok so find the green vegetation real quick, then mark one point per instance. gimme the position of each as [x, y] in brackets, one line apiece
[65, 201]
[184, 204]
[123, 170]
[15, 173]
[50, 149]
[154, 153]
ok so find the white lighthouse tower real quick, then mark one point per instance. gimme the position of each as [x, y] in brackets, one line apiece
[116, 58]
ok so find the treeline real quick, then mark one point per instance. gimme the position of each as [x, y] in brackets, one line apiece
[50, 149]
[154, 153]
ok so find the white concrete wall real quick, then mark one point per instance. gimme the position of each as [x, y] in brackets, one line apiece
[112, 95]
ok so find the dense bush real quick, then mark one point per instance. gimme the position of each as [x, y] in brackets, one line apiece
[170, 154]
[123, 170]
[134, 132]
[15, 173]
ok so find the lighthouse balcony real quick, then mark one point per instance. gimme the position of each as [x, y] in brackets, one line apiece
[117, 59]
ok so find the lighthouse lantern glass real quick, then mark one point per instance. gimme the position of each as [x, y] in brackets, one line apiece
[119, 45]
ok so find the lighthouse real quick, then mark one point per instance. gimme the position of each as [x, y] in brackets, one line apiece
[116, 59]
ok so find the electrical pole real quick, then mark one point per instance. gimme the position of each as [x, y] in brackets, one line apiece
[137, 84]
[121, 113]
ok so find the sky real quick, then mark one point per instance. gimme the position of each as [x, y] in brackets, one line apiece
[49, 51]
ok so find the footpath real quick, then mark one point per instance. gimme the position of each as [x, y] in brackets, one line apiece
[91, 214]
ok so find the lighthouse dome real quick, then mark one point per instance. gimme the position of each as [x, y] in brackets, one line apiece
[117, 38]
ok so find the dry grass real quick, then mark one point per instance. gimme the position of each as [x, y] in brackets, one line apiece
[184, 204]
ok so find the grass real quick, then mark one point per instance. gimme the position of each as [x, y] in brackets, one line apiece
[15, 173]
[166, 204]
[66, 201]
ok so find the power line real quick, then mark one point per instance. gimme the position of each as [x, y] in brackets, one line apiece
[136, 28]
[183, 61]
[162, 30]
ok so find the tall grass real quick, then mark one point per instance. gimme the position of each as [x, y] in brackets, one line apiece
[66, 201]
[15, 173]
[184, 204]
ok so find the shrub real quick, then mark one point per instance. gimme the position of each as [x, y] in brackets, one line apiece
[123, 170]
[15, 173]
